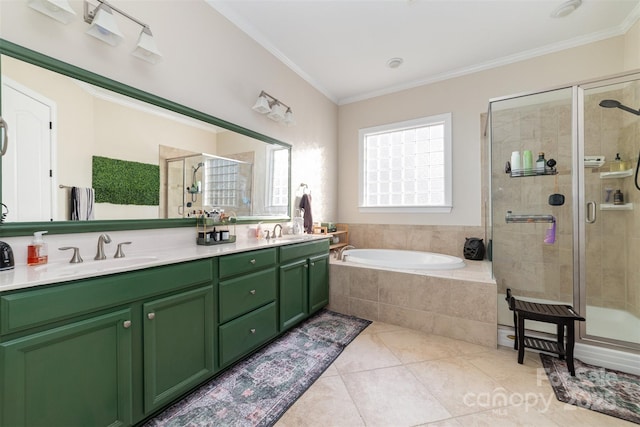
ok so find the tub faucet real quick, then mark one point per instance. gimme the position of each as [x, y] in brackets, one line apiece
[104, 238]
[339, 254]
[273, 234]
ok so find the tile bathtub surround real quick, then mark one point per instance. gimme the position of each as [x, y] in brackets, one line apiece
[395, 376]
[447, 240]
[463, 307]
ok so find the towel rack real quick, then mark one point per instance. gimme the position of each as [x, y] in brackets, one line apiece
[64, 186]
[511, 218]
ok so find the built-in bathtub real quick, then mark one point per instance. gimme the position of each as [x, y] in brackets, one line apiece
[451, 297]
[401, 259]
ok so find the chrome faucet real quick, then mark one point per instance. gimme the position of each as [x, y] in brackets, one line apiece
[104, 238]
[273, 234]
[339, 254]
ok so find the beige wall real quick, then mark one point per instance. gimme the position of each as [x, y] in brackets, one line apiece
[466, 97]
[209, 65]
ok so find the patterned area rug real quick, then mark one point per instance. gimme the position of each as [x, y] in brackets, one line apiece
[258, 390]
[603, 390]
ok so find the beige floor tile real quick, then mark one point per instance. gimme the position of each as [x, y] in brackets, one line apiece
[570, 415]
[364, 353]
[331, 371]
[459, 386]
[377, 327]
[393, 397]
[414, 346]
[326, 403]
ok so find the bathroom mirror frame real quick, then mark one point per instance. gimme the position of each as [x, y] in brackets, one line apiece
[59, 227]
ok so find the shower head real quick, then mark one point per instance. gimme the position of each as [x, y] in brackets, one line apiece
[195, 169]
[612, 103]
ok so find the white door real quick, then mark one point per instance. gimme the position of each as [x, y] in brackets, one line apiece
[27, 166]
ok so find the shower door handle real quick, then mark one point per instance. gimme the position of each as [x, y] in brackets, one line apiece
[5, 138]
[591, 212]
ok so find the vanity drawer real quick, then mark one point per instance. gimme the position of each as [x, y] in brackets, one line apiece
[39, 306]
[303, 250]
[246, 262]
[246, 333]
[243, 294]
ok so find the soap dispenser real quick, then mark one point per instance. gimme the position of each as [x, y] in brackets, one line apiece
[37, 251]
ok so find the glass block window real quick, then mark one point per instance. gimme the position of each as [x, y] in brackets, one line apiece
[221, 183]
[406, 166]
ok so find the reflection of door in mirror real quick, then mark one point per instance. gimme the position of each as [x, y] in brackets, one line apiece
[27, 183]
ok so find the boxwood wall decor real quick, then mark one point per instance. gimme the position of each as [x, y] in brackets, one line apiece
[122, 182]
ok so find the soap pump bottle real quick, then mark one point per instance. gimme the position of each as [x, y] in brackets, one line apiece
[37, 251]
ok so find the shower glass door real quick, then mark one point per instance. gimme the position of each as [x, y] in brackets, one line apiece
[610, 217]
[533, 256]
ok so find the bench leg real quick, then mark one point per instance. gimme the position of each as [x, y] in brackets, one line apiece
[520, 335]
[560, 334]
[515, 328]
[570, 345]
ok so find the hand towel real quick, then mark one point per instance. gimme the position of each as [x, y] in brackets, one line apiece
[550, 237]
[305, 203]
[82, 200]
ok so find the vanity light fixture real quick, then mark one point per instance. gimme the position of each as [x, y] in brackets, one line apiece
[276, 110]
[56, 9]
[103, 26]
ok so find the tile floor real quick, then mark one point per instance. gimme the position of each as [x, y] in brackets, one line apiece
[392, 376]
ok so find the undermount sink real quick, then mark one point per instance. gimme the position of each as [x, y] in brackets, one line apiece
[294, 237]
[88, 267]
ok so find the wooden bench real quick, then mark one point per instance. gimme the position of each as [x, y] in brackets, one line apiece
[561, 315]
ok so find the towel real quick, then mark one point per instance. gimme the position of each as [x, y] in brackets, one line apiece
[82, 200]
[550, 237]
[305, 203]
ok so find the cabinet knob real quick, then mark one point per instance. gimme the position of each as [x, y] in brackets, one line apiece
[252, 330]
[253, 261]
[252, 291]
[151, 315]
[126, 324]
[312, 264]
[306, 266]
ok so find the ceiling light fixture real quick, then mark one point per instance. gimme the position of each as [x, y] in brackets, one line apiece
[395, 62]
[103, 26]
[56, 9]
[276, 110]
[566, 8]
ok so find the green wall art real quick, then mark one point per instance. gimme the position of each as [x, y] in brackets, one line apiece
[122, 182]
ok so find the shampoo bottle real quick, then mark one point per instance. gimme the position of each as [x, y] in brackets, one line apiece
[37, 252]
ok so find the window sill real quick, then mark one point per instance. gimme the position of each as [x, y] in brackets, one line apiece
[405, 209]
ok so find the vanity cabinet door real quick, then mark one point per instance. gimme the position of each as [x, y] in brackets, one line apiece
[78, 374]
[178, 333]
[318, 282]
[293, 293]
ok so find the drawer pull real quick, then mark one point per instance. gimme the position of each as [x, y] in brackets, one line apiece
[253, 261]
[252, 291]
[306, 266]
[151, 315]
[252, 330]
[312, 264]
[126, 324]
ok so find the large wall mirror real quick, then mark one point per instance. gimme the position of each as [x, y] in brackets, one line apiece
[120, 158]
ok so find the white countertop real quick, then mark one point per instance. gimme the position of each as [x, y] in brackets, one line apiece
[148, 249]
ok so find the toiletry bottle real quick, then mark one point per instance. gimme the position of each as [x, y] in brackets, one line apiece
[618, 198]
[259, 231]
[37, 251]
[540, 163]
[516, 163]
[527, 160]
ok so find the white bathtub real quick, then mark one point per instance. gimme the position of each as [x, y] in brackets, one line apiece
[403, 260]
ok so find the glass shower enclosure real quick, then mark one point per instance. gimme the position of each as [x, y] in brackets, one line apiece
[570, 233]
[204, 182]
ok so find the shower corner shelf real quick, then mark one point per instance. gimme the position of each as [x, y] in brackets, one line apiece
[612, 207]
[616, 174]
[520, 173]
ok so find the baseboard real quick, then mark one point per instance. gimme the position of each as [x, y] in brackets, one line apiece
[594, 355]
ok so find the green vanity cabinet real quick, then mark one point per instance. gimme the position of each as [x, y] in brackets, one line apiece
[106, 351]
[79, 374]
[178, 333]
[304, 281]
[248, 315]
